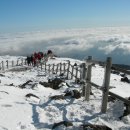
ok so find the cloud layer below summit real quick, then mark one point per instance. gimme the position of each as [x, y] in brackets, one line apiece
[74, 43]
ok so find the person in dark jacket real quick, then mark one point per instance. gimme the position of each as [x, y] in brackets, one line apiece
[28, 60]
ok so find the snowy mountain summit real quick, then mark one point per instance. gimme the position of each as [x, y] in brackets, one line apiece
[31, 98]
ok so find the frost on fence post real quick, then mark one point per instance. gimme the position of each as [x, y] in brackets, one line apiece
[106, 84]
[88, 78]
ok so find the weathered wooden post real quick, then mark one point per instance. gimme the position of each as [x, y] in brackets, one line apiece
[22, 61]
[57, 68]
[76, 76]
[64, 68]
[83, 76]
[25, 61]
[53, 68]
[41, 65]
[17, 62]
[68, 69]
[12, 63]
[7, 64]
[88, 78]
[2, 65]
[106, 84]
[60, 68]
[72, 74]
[45, 66]
[49, 68]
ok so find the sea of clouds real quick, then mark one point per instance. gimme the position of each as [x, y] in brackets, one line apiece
[75, 43]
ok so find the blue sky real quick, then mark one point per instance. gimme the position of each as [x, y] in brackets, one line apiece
[29, 15]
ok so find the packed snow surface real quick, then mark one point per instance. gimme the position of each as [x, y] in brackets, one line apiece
[18, 112]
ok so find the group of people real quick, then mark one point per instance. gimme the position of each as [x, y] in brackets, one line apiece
[38, 57]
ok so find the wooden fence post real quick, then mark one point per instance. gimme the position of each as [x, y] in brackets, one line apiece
[72, 74]
[64, 68]
[17, 62]
[45, 66]
[22, 61]
[57, 68]
[25, 61]
[2, 65]
[68, 69]
[53, 69]
[106, 84]
[7, 64]
[83, 76]
[12, 63]
[76, 76]
[49, 68]
[60, 68]
[41, 66]
[88, 78]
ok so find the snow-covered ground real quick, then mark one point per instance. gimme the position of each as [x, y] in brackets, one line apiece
[17, 112]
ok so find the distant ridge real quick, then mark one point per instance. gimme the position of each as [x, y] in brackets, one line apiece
[127, 67]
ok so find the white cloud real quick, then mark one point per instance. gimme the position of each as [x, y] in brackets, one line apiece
[92, 41]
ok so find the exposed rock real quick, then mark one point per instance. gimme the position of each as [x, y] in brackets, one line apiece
[4, 92]
[65, 123]
[125, 79]
[23, 85]
[62, 74]
[126, 110]
[34, 85]
[2, 75]
[123, 75]
[75, 64]
[95, 127]
[111, 99]
[46, 84]
[31, 95]
[115, 72]
[77, 80]
[57, 97]
[73, 93]
[55, 83]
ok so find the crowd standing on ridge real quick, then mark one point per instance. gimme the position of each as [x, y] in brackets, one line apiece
[38, 57]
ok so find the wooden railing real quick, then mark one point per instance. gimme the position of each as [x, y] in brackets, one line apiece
[71, 71]
[4, 65]
[106, 82]
[82, 72]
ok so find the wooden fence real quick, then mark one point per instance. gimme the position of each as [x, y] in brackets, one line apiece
[106, 82]
[82, 72]
[4, 65]
[71, 71]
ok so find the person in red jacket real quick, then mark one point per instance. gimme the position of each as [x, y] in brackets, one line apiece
[34, 61]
